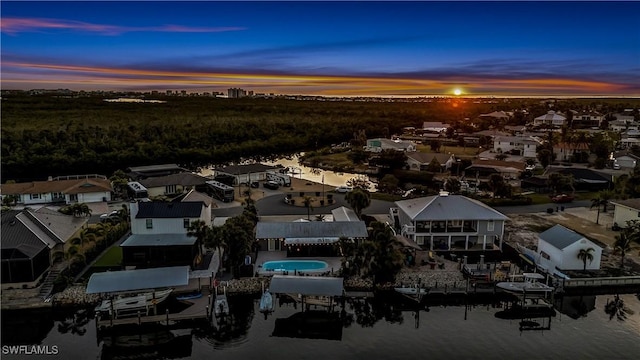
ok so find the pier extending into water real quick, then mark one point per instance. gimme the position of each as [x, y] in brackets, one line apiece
[600, 285]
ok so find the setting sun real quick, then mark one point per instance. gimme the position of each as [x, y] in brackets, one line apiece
[457, 92]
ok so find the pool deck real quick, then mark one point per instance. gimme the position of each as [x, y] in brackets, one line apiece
[264, 256]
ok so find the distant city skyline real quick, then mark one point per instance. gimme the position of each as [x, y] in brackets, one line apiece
[325, 48]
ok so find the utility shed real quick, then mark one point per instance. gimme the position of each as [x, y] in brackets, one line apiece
[558, 248]
[134, 280]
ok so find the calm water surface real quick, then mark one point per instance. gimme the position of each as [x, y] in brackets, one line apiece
[381, 328]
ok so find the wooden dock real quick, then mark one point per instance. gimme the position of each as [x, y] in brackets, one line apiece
[200, 309]
[600, 285]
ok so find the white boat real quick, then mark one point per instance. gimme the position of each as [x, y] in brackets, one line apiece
[531, 286]
[221, 305]
[412, 290]
[266, 302]
[122, 305]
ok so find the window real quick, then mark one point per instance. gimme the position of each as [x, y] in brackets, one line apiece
[186, 223]
[35, 196]
[490, 225]
[149, 223]
[455, 223]
[545, 255]
[420, 240]
[170, 189]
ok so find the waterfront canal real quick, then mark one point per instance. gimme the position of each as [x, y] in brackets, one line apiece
[384, 327]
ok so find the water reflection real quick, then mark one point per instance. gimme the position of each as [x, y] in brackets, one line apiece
[311, 324]
[147, 342]
[617, 308]
[231, 330]
[576, 306]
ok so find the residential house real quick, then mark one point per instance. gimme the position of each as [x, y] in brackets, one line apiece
[558, 249]
[61, 190]
[515, 145]
[314, 238]
[449, 222]
[435, 127]
[27, 247]
[587, 119]
[583, 179]
[243, 174]
[419, 161]
[565, 151]
[628, 142]
[626, 210]
[344, 214]
[623, 125]
[174, 184]
[159, 234]
[625, 159]
[550, 119]
[625, 116]
[143, 172]
[484, 168]
[379, 144]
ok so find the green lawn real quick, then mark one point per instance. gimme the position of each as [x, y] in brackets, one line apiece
[460, 151]
[113, 257]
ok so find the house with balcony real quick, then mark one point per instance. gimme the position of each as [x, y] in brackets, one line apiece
[173, 185]
[587, 119]
[159, 234]
[60, 190]
[515, 145]
[550, 119]
[447, 222]
[419, 161]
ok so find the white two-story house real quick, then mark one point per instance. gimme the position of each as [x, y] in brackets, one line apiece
[525, 146]
[159, 234]
[449, 222]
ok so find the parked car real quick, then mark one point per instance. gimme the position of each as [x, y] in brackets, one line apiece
[563, 198]
[271, 185]
[343, 189]
[255, 184]
[112, 215]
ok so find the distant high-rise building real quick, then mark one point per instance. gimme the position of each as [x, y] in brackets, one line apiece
[235, 93]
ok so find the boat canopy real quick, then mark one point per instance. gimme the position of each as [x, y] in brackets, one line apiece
[306, 285]
[133, 280]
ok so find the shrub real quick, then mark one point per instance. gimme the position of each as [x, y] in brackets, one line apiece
[549, 210]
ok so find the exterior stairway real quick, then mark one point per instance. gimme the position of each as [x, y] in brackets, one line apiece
[47, 284]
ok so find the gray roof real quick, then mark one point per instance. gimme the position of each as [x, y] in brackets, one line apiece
[313, 229]
[131, 280]
[306, 285]
[184, 179]
[64, 226]
[15, 235]
[158, 210]
[39, 229]
[632, 203]
[153, 168]
[194, 195]
[344, 214]
[560, 237]
[449, 207]
[244, 169]
[426, 158]
[159, 240]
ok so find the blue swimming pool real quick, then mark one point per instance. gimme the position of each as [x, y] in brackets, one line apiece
[291, 265]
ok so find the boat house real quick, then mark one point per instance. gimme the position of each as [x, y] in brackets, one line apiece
[558, 249]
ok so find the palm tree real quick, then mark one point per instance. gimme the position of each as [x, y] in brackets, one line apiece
[307, 201]
[495, 183]
[200, 231]
[358, 199]
[84, 237]
[85, 210]
[216, 240]
[623, 245]
[586, 255]
[320, 217]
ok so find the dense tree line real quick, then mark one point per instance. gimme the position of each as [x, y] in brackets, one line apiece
[48, 135]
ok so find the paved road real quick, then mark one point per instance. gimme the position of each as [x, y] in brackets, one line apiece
[274, 206]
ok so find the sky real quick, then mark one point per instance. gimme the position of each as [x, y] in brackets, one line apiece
[325, 48]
